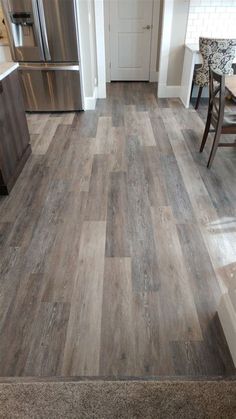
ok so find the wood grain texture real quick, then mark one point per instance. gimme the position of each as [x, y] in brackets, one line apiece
[117, 244]
[14, 134]
[81, 355]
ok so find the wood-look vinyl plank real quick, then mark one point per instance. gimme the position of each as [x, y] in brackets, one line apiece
[150, 103]
[34, 139]
[47, 340]
[104, 107]
[144, 262]
[118, 351]
[82, 349]
[9, 205]
[36, 122]
[96, 209]
[131, 338]
[182, 322]
[43, 141]
[9, 279]
[24, 224]
[85, 123]
[202, 277]
[196, 190]
[16, 326]
[157, 190]
[118, 147]
[46, 227]
[146, 132]
[160, 133]
[163, 103]
[117, 234]
[175, 103]
[204, 358]
[5, 229]
[62, 259]
[75, 165]
[67, 118]
[103, 143]
[31, 196]
[202, 204]
[153, 356]
[117, 111]
[176, 191]
[138, 124]
[218, 181]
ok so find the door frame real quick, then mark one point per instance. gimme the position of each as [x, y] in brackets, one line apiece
[153, 73]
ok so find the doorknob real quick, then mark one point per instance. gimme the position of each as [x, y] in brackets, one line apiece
[147, 27]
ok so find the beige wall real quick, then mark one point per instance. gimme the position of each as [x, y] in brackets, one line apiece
[178, 33]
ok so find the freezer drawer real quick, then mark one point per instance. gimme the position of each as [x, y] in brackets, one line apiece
[51, 88]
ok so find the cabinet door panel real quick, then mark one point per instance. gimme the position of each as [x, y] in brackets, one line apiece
[14, 134]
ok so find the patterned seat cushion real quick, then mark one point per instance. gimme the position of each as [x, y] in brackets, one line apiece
[218, 54]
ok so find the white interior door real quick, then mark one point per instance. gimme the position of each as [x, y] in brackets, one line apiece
[130, 39]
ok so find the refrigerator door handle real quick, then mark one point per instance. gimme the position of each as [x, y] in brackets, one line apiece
[46, 68]
[44, 30]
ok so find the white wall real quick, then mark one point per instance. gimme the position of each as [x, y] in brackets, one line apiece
[177, 49]
[211, 18]
[88, 53]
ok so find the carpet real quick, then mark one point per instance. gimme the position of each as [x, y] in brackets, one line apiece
[118, 399]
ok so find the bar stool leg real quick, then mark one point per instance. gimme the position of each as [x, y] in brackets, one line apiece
[199, 97]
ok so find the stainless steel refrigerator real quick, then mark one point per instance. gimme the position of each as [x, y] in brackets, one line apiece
[43, 38]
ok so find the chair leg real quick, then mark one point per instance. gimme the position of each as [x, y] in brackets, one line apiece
[214, 147]
[198, 97]
[191, 94]
[206, 132]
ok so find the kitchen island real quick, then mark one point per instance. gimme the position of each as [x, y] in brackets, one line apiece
[14, 134]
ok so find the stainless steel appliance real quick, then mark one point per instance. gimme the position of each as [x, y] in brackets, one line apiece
[44, 40]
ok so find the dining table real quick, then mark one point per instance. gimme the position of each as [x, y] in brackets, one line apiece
[230, 84]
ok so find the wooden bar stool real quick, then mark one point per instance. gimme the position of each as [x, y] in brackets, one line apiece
[218, 54]
[222, 122]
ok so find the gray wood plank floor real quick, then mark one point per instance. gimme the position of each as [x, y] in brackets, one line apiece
[116, 244]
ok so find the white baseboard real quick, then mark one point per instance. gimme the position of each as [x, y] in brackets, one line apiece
[90, 102]
[165, 91]
[154, 76]
[102, 91]
[227, 317]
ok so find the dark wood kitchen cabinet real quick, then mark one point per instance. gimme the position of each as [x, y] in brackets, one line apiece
[14, 134]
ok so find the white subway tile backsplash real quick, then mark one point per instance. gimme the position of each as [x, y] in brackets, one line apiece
[211, 18]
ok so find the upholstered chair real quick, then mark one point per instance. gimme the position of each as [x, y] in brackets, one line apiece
[217, 54]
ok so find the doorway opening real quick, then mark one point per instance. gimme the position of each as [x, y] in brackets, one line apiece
[132, 39]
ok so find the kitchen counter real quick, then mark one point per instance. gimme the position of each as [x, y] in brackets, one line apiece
[6, 69]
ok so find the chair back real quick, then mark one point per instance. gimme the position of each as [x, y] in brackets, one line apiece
[218, 54]
[217, 96]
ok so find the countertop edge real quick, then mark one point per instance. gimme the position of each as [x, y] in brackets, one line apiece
[193, 48]
[10, 67]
